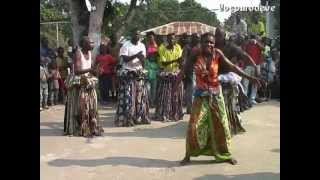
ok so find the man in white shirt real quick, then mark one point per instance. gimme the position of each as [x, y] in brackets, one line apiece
[240, 26]
[133, 105]
[133, 53]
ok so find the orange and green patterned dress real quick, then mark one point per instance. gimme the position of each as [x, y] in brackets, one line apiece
[208, 131]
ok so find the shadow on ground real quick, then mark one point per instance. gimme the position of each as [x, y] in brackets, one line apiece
[254, 176]
[116, 161]
[56, 129]
[275, 150]
[174, 131]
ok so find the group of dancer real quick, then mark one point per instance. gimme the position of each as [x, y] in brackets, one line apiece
[170, 67]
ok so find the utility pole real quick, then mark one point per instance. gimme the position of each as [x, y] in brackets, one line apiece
[57, 29]
[270, 31]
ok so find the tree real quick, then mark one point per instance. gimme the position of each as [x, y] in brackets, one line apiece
[85, 22]
[90, 23]
[158, 12]
[191, 10]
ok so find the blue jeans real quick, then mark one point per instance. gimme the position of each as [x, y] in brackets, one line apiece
[250, 70]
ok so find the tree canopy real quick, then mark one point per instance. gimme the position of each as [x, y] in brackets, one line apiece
[147, 14]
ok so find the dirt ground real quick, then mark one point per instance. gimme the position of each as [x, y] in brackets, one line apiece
[153, 152]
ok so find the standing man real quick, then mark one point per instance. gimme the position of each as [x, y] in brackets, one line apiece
[190, 76]
[234, 53]
[240, 26]
[133, 104]
[63, 65]
[257, 27]
[169, 105]
[254, 48]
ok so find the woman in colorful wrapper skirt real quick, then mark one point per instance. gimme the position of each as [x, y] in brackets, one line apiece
[208, 130]
[169, 101]
[81, 111]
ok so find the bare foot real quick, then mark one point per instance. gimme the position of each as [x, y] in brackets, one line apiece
[233, 161]
[185, 161]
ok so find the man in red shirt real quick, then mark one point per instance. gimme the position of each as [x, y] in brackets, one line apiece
[254, 48]
[105, 66]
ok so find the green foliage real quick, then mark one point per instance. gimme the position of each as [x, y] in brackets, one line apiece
[158, 12]
[51, 11]
[191, 10]
[149, 14]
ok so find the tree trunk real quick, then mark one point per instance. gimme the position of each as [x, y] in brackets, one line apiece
[85, 23]
[95, 24]
[78, 17]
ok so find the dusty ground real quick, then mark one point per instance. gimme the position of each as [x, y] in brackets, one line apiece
[152, 152]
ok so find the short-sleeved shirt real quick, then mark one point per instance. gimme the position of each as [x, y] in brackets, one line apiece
[167, 55]
[258, 28]
[129, 49]
[106, 64]
[240, 28]
[255, 52]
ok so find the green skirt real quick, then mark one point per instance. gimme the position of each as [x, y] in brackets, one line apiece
[208, 131]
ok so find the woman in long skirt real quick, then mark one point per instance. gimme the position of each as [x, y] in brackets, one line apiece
[170, 100]
[81, 112]
[230, 82]
[208, 131]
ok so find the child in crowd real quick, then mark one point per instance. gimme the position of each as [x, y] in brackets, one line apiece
[54, 83]
[105, 66]
[44, 76]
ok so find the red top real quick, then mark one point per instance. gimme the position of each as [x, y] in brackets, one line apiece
[207, 74]
[255, 52]
[151, 48]
[105, 64]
